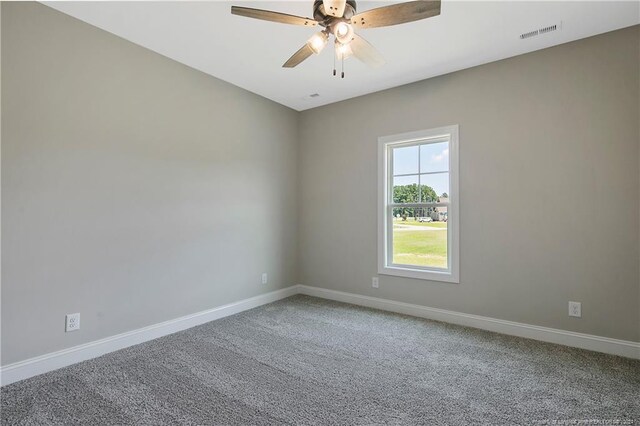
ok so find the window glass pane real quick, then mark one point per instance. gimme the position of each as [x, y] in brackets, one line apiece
[405, 189]
[434, 157]
[405, 160]
[420, 238]
[434, 187]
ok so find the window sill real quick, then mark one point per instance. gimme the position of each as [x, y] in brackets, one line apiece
[407, 272]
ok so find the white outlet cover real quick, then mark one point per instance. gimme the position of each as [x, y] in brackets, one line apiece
[575, 309]
[72, 322]
[265, 278]
[375, 282]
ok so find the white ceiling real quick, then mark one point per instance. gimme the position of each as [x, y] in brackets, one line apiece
[249, 53]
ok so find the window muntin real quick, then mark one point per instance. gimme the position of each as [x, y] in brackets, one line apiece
[418, 236]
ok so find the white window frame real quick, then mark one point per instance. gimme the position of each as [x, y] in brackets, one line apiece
[385, 206]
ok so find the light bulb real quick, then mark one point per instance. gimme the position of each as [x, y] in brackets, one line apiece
[343, 51]
[318, 41]
[342, 29]
[343, 32]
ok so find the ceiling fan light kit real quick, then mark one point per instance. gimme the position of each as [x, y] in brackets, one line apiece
[343, 32]
[318, 41]
[343, 51]
[339, 18]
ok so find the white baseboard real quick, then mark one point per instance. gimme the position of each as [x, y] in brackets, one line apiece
[31, 367]
[624, 348]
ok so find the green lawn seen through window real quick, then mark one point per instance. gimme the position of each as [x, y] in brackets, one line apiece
[420, 243]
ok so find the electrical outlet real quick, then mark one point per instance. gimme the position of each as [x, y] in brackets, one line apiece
[575, 309]
[375, 282]
[265, 278]
[72, 322]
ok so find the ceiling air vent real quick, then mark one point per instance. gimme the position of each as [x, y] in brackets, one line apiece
[544, 30]
[548, 29]
[529, 34]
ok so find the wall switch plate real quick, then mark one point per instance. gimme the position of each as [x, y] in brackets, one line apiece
[375, 282]
[575, 309]
[265, 278]
[72, 322]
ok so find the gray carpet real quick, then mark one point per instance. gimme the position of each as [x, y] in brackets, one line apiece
[309, 361]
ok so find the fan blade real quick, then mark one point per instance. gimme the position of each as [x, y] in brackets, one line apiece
[302, 54]
[397, 14]
[364, 51]
[268, 15]
[334, 7]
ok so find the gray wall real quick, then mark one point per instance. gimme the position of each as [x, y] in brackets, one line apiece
[549, 187]
[134, 189]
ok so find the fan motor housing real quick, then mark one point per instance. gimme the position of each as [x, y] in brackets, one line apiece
[320, 15]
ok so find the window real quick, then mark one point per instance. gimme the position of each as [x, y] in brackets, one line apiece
[418, 205]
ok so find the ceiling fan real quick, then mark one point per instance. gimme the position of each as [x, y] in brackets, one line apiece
[339, 18]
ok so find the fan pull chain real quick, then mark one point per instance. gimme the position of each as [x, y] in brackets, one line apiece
[342, 65]
[334, 63]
